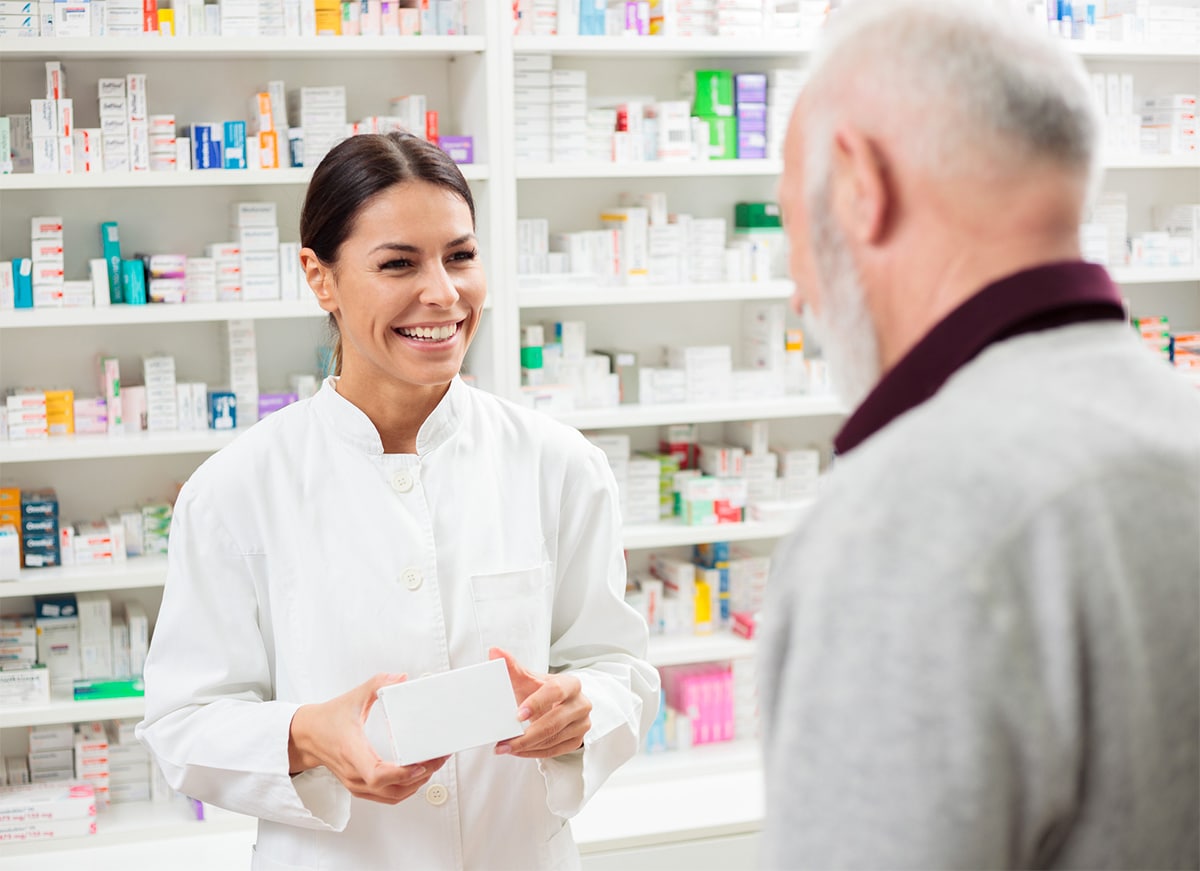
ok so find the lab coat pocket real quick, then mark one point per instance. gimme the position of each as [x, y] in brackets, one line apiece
[512, 611]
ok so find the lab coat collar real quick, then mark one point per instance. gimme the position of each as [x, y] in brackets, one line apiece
[352, 424]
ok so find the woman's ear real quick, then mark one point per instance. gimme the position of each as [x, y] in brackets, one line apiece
[320, 279]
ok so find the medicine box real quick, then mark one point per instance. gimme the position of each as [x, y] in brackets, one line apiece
[445, 713]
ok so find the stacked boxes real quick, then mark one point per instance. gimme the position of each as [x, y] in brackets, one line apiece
[162, 412]
[48, 261]
[1155, 333]
[1169, 125]
[705, 240]
[642, 496]
[91, 759]
[1181, 223]
[601, 123]
[25, 412]
[98, 542]
[51, 753]
[256, 233]
[672, 130]
[139, 636]
[156, 526]
[166, 277]
[617, 451]
[1113, 93]
[128, 764]
[10, 549]
[708, 371]
[799, 473]
[36, 812]
[322, 116]
[52, 127]
[568, 115]
[238, 17]
[57, 623]
[242, 369]
[783, 89]
[533, 246]
[164, 151]
[269, 126]
[91, 415]
[18, 643]
[714, 556]
[702, 698]
[713, 104]
[60, 412]
[763, 333]
[115, 151]
[139, 122]
[533, 109]
[39, 528]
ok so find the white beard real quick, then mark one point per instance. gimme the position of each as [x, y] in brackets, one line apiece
[844, 329]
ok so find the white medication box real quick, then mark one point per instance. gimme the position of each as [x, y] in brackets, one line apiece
[445, 713]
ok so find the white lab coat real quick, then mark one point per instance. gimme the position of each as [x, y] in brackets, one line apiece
[304, 560]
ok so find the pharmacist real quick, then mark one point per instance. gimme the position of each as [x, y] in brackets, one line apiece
[397, 523]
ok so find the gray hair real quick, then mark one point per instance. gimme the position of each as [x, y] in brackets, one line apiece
[985, 89]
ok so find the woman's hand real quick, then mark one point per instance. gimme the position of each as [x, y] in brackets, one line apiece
[331, 734]
[554, 706]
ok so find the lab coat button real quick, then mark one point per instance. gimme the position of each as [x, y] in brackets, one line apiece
[402, 481]
[437, 794]
[412, 579]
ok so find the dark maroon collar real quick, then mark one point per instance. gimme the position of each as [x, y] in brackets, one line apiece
[1035, 299]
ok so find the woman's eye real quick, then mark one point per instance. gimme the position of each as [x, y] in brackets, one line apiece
[397, 264]
[464, 255]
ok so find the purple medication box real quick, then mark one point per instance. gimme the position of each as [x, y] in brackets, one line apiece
[460, 148]
[268, 402]
[750, 88]
[752, 117]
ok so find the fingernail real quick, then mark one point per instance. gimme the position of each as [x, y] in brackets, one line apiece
[524, 714]
[418, 771]
[503, 750]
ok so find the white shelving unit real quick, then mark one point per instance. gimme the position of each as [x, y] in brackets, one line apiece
[98, 447]
[629, 416]
[655, 801]
[192, 178]
[134, 573]
[234, 48]
[568, 295]
[71, 712]
[651, 169]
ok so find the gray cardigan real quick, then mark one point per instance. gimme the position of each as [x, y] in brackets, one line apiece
[982, 649]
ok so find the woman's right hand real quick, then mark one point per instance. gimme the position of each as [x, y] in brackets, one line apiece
[331, 734]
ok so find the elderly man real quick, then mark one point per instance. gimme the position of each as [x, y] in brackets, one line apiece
[983, 647]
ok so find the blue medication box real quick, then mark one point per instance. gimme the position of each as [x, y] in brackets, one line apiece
[222, 410]
[234, 152]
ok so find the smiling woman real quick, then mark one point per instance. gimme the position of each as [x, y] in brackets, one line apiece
[397, 523]
[388, 230]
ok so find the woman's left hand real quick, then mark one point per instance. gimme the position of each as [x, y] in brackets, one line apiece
[558, 713]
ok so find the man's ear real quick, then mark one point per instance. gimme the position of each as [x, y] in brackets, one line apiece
[862, 192]
[320, 279]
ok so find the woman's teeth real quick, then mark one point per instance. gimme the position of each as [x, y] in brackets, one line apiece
[430, 334]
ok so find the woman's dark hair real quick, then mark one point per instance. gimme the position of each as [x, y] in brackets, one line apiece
[352, 174]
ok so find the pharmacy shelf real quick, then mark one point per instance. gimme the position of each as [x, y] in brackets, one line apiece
[706, 792]
[71, 712]
[564, 295]
[710, 412]
[659, 46]
[675, 534]
[95, 447]
[194, 178]
[687, 649]
[1134, 51]
[159, 314]
[140, 821]
[1153, 161]
[233, 48]
[135, 573]
[650, 169]
[1148, 275]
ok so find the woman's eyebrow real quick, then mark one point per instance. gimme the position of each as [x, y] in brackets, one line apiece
[413, 249]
